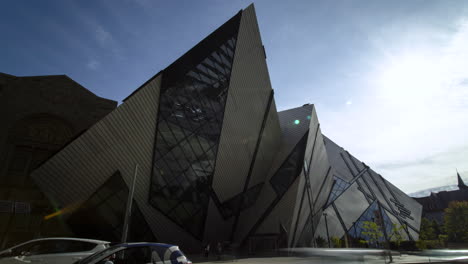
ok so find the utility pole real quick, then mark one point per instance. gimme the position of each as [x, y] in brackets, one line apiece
[128, 210]
[326, 227]
[382, 224]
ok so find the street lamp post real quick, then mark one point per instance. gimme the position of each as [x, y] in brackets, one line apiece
[128, 210]
[326, 227]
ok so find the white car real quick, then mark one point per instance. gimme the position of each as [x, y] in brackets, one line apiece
[138, 253]
[52, 251]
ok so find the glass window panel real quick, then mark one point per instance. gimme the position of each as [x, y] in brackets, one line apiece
[104, 220]
[339, 186]
[290, 169]
[194, 118]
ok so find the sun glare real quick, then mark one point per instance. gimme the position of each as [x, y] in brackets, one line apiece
[409, 78]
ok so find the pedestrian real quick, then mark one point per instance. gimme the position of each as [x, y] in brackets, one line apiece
[207, 250]
[219, 250]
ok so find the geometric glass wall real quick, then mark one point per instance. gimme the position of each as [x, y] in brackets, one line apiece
[290, 169]
[241, 201]
[102, 215]
[189, 125]
[339, 186]
[374, 213]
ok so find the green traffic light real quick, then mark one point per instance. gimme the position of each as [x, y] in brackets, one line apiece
[296, 122]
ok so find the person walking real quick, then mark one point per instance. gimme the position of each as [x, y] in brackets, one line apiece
[207, 250]
[219, 250]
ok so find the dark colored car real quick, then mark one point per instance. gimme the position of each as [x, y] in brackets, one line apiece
[138, 253]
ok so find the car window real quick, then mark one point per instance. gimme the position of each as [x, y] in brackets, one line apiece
[133, 255]
[157, 254]
[49, 247]
[96, 256]
[43, 247]
[77, 246]
[23, 248]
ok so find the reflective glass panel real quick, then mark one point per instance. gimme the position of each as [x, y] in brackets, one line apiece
[290, 169]
[191, 109]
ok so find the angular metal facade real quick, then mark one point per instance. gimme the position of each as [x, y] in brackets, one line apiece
[359, 195]
[217, 161]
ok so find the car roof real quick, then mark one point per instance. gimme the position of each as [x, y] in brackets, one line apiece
[141, 244]
[95, 241]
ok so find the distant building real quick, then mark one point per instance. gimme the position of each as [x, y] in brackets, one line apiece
[435, 204]
[39, 114]
[217, 161]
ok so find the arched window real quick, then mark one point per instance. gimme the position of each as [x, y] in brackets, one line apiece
[31, 141]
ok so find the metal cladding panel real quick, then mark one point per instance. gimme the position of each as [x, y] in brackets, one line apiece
[268, 148]
[216, 228]
[375, 185]
[321, 179]
[351, 204]
[409, 203]
[291, 133]
[374, 189]
[334, 226]
[295, 123]
[313, 126]
[122, 139]
[384, 189]
[335, 156]
[414, 235]
[301, 212]
[397, 223]
[248, 95]
[250, 216]
[281, 214]
[319, 175]
[317, 167]
[364, 188]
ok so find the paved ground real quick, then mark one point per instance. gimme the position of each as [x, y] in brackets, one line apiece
[350, 259]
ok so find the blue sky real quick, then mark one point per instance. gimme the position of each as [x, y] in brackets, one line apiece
[389, 78]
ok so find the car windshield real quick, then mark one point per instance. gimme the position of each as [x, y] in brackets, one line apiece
[99, 254]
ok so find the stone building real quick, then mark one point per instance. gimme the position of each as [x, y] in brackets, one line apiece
[435, 204]
[39, 115]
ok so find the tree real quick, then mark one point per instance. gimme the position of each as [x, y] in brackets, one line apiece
[427, 231]
[320, 241]
[456, 221]
[372, 231]
[336, 242]
[396, 234]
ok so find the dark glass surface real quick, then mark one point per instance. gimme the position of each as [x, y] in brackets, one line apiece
[290, 169]
[188, 131]
[229, 207]
[102, 215]
[339, 186]
[306, 236]
[373, 214]
[132, 255]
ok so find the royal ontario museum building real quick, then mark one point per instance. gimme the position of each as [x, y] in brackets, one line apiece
[207, 158]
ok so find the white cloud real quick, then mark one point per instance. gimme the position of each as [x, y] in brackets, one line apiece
[93, 65]
[102, 36]
[414, 109]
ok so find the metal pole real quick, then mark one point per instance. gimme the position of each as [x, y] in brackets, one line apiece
[128, 210]
[382, 225]
[326, 227]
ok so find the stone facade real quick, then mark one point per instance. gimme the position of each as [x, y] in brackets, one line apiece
[39, 114]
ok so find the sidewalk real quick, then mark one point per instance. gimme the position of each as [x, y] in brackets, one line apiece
[403, 259]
